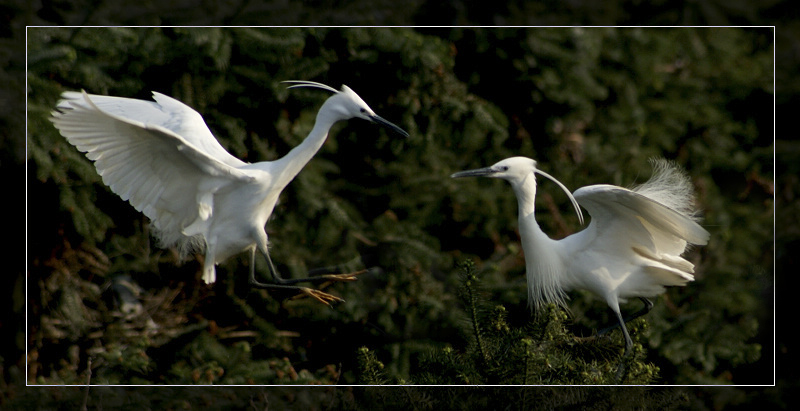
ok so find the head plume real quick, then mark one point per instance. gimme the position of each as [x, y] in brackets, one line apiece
[311, 84]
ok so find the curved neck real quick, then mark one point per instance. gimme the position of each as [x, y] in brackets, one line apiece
[294, 161]
[543, 261]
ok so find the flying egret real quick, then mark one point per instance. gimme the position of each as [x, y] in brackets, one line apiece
[631, 248]
[162, 158]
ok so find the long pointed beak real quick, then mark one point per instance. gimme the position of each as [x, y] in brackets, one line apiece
[383, 122]
[478, 172]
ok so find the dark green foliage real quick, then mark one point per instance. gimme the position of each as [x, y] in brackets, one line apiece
[370, 368]
[542, 352]
[590, 104]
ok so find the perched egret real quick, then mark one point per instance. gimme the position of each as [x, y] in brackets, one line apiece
[162, 158]
[631, 248]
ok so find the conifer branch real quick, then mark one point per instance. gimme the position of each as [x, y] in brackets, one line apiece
[470, 281]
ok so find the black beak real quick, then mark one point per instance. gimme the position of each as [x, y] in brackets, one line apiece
[479, 172]
[381, 121]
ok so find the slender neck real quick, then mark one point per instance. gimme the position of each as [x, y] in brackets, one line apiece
[291, 164]
[544, 264]
[525, 191]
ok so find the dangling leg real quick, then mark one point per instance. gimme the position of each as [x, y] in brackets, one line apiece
[262, 246]
[209, 271]
[320, 296]
[319, 278]
[648, 305]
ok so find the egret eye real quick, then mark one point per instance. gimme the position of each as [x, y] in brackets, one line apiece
[192, 166]
[635, 240]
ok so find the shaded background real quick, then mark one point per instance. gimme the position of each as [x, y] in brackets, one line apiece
[590, 104]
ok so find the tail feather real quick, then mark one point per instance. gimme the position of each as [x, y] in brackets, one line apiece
[672, 188]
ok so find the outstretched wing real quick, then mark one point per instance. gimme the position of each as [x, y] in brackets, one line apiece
[158, 156]
[166, 112]
[631, 221]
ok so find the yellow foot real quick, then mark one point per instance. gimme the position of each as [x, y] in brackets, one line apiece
[318, 295]
[343, 277]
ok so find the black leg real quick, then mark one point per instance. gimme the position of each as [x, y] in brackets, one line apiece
[648, 305]
[319, 278]
[628, 340]
[320, 296]
[622, 369]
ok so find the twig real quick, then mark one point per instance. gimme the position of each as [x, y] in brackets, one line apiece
[472, 301]
[88, 384]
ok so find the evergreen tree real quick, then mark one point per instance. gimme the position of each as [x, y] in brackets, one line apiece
[591, 104]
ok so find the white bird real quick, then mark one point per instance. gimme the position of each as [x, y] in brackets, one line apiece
[631, 248]
[162, 158]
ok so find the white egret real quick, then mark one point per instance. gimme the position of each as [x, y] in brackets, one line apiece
[631, 248]
[162, 158]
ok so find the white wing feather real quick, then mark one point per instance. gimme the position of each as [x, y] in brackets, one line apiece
[167, 175]
[166, 112]
[611, 203]
[638, 220]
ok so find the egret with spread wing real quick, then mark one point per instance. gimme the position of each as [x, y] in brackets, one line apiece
[162, 158]
[631, 248]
